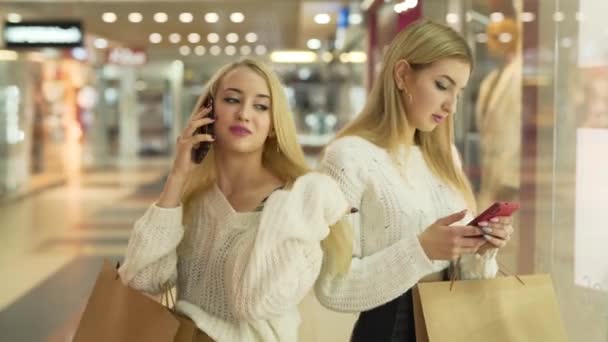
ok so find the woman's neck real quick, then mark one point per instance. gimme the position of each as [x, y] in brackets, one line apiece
[239, 171]
[409, 138]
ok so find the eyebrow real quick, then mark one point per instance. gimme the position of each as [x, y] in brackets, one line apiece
[240, 92]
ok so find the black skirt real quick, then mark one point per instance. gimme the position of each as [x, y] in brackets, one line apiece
[391, 322]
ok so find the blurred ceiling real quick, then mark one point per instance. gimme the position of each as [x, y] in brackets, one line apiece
[278, 24]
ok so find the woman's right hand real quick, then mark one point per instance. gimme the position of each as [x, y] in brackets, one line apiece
[183, 164]
[440, 241]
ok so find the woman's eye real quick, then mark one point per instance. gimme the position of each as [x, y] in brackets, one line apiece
[231, 100]
[440, 86]
[261, 107]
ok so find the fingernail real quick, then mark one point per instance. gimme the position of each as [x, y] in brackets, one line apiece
[495, 219]
[354, 210]
[487, 230]
[487, 237]
[483, 223]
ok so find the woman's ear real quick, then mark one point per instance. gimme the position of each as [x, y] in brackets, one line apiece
[400, 73]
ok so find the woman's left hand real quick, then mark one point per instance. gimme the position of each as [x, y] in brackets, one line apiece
[497, 232]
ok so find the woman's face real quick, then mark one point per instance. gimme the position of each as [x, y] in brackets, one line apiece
[434, 90]
[242, 106]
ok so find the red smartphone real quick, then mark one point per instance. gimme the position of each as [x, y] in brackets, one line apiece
[495, 210]
[199, 152]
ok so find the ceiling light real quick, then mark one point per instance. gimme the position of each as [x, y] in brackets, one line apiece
[327, 56]
[322, 18]
[156, 38]
[175, 38]
[230, 50]
[355, 18]
[213, 38]
[237, 17]
[215, 50]
[186, 17]
[161, 17]
[452, 18]
[260, 50]
[251, 37]
[313, 44]
[527, 17]
[199, 50]
[212, 17]
[100, 43]
[405, 6]
[505, 37]
[79, 53]
[109, 17]
[13, 17]
[293, 56]
[558, 16]
[497, 16]
[245, 50]
[194, 38]
[357, 57]
[184, 50]
[135, 17]
[304, 73]
[232, 38]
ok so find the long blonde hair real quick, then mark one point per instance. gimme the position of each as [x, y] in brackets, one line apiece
[383, 119]
[282, 155]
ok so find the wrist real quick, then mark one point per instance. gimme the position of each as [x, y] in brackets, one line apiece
[423, 244]
[177, 177]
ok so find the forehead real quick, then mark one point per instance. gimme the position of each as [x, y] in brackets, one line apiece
[456, 69]
[246, 80]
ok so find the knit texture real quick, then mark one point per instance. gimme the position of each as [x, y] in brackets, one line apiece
[239, 276]
[398, 198]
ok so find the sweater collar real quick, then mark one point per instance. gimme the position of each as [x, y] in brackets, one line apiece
[222, 208]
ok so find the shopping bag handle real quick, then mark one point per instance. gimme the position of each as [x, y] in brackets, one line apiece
[501, 268]
[117, 267]
[166, 298]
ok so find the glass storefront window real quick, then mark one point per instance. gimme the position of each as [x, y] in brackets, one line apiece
[547, 100]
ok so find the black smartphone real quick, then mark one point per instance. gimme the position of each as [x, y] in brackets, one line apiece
[199, 152]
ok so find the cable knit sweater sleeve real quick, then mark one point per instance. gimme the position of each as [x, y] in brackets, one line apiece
[275, 268]
[151, 258]
[384, 275]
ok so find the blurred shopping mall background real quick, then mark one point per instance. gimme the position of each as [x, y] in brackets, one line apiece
[93, 94]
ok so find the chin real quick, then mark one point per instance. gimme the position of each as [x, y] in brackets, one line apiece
[428, 129]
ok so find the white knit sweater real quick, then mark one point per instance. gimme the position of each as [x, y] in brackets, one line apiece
[396, 202]
[239, 276]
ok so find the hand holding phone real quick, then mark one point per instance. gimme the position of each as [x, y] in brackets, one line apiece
[497, 209]
[496, 233]
[199, 152]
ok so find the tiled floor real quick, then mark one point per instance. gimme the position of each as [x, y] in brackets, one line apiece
[53, 243]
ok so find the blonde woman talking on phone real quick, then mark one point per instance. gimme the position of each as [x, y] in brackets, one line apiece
[240, 234]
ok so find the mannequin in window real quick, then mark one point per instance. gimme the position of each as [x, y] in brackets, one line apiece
[498, 116]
